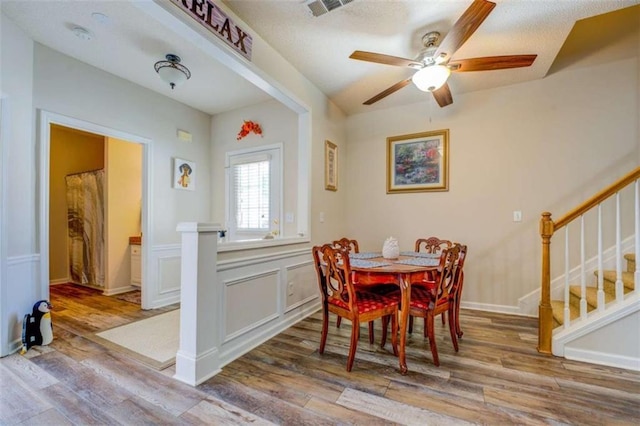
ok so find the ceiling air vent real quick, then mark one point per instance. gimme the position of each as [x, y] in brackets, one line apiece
[320, 7]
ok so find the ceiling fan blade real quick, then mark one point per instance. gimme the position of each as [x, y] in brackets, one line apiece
[387, 92]
[384, 59]
[464, 27]
[443, 96]
[489, 63]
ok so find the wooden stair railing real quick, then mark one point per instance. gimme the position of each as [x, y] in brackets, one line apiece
[547, 229]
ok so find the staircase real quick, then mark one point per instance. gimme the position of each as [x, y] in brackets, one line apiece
[598, 318]
[609, 287]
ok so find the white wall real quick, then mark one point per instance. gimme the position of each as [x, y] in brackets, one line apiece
[537, 146]
[20, 290]
[123, 200]
[66, 86]
[279, 125]
[35, 77]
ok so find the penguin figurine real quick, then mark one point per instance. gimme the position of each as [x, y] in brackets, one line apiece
[37, 328]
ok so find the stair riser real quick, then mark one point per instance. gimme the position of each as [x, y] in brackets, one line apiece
[610, 286]
[631, 266]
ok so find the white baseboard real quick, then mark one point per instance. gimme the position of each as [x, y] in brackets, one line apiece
[601, 358]
[231, 352]
[60, 281]
[502, 309]
[119, 290]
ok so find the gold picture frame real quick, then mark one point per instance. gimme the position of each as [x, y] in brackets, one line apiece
[418, 162]
[330, 166]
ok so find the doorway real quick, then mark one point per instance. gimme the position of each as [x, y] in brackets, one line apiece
[116, 149]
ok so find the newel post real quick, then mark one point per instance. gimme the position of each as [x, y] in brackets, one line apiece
[545, 313]
[198, 354]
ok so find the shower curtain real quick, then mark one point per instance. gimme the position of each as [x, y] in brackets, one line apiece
[85, 215]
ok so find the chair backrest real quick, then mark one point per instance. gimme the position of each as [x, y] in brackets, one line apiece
[337, 282]
[459, 272]
[316, 252]
[350, 245]
[432, 244]
[445, 285]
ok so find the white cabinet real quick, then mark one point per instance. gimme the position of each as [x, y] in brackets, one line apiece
[136, 268]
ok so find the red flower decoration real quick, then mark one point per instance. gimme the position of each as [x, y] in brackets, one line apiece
[248, 127]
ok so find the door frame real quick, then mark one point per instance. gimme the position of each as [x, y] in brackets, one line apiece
[4, 140]
[46, 119]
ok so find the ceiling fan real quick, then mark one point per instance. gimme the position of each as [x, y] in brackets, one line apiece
[434, 64]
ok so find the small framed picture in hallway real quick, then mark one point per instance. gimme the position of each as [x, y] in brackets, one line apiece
[330, 166]
[184, 174]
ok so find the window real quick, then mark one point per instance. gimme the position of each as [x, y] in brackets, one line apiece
[254, 187]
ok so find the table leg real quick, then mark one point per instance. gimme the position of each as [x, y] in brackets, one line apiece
[405, 291]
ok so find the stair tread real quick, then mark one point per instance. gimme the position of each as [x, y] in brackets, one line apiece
[591, 296]
[557, 307]
[627, 278]
[630, 257]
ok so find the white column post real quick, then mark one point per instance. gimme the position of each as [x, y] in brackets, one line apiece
[198, 355]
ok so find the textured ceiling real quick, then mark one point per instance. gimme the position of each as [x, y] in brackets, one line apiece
[133, 40]
[320, 46]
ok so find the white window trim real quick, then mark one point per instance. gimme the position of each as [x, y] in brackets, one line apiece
[277, 150]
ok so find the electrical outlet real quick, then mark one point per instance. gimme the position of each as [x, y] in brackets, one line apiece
[517, 216]
[290, 288]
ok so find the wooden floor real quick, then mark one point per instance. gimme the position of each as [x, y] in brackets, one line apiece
[497, 378]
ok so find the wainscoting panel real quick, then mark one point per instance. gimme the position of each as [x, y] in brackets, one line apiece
[163, 280]
[256, 305]
[256, 299]
[301, 285]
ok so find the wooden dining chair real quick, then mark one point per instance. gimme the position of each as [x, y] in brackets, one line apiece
[351, 246]
[432, 245]
[339, 296]
[346, 243]
[428, 303]
[458, 288]
[428, 245]
[455, 316]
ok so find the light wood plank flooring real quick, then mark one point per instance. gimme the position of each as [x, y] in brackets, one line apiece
[497, 378]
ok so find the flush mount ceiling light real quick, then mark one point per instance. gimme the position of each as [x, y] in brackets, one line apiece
[431, 77]
[172, 71]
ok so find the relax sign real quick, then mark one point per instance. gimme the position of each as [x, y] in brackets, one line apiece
[216, 21]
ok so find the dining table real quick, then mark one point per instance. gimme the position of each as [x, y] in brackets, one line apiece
[373, 269]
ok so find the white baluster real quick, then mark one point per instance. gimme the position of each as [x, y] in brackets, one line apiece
[567, 296]
[619, 284]
[583, 277]
[600, 267]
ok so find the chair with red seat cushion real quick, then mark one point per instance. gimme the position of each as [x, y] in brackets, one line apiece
[340, 297]
[351, 246]
[431, 245]
[430, 302]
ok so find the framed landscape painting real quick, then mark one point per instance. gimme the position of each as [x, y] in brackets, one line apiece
[418, 162]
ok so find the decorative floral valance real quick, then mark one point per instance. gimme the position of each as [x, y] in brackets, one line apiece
[249, 127]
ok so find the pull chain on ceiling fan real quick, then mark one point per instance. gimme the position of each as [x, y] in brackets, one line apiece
[434, 63]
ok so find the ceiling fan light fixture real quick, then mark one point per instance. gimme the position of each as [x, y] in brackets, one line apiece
[172, 71]
[431, 78]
